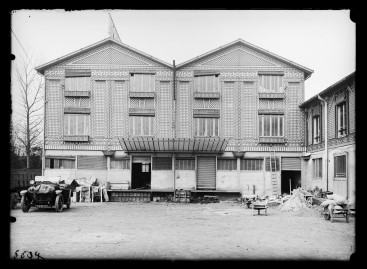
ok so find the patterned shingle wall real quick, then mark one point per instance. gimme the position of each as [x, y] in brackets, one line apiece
[239, 57]
[99, 120]
[292, 117]
[119, 101]
[183, 110]
[331, 119]
[53, 108]
[352, 111]
[248, 110]
[228, 110]
[164, 110]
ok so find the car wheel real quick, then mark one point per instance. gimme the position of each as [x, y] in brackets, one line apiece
[59, 203]
[24, 204]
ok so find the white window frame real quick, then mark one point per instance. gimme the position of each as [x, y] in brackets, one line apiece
[262, 125]
[206, 124]
[81, 83]
[317, 166]
[199, 80]
[134, 85]
[316, 129]
[140, 120]
[86, 127]
[341, 113]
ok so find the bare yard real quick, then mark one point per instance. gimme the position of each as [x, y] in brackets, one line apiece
[225, 230]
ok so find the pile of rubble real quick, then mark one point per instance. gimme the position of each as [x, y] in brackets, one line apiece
[296, 202]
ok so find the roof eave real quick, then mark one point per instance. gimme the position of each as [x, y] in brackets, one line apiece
[327, 90]
[40, 69]
[306, 70]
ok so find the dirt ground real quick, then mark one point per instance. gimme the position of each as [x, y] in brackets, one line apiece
[160, 230]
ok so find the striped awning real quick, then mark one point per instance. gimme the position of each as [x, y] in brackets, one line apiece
[195, 145]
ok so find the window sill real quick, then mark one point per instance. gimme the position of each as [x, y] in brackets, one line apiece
[271, 140]
[69, 93]
[76, 138]
[214, 95]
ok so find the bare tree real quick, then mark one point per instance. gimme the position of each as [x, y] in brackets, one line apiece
[28, 124]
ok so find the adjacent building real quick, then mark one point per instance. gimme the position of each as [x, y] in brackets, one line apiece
[227, 120]
[331, 127]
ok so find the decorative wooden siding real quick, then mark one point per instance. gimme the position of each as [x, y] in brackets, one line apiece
[165, 110]
[119, 103]
[228, 126]
[53, 106]
[183, 110]
[352, 111]
[331, 119]
[248, 110]
[92, 162]
[99, 121]
[292, 117]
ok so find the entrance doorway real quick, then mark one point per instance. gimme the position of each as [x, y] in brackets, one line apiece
[141, 173]
[290, 180]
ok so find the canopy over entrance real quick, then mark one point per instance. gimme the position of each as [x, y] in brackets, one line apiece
[174, 145]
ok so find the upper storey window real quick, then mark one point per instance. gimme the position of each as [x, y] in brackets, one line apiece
[77, 80]
[207, 83]
[341, 119]
[142, 82]
[271, 82]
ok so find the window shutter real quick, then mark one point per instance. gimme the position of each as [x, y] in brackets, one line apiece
[92, 162]
[162, 163]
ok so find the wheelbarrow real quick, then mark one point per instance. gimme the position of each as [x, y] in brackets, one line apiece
[336, 211]
[260, 205]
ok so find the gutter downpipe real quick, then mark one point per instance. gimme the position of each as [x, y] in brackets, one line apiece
[174, 129]
[326, 142]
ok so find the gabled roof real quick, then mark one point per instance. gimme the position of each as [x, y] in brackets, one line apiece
[40, 69]
[329, 89]
[306, 70]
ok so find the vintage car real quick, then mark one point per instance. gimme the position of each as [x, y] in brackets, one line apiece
[47, 193]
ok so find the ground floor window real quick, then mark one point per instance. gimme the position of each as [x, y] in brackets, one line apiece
[185, 164]
[59, 163]
[162, 163]
[317, 168]
[340, 166]
[227, 164]
[274, 164]
[252, 164]
[117, 163]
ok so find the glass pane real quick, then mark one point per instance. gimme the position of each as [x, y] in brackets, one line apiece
[72, 125]
[280, 126]
[274, 126]
[80, 125]
[202, 127]
[66, 124]
[210, 127]
[266, 126]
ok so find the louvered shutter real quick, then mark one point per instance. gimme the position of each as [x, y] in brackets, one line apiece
[92, 162]
[291, 163]
[206, 173]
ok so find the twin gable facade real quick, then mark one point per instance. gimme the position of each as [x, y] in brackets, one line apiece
[112, 112]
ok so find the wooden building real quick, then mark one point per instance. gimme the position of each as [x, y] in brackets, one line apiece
[331, 127]
[227, 120]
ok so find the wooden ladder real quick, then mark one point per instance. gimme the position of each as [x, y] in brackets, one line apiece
[274, 181]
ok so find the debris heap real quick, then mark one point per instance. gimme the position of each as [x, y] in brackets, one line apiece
[296, 202]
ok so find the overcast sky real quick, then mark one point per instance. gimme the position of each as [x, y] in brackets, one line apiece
[322, 40]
